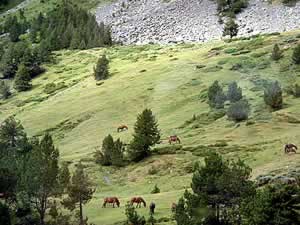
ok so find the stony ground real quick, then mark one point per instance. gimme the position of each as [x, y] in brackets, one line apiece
[157, 21]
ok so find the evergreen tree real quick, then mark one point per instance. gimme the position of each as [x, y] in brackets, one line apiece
[219, 188]
[296, 55]
[273, 95]
[273, 205]
[231, 28]
[216, 96]
[22, 80]
[82, 45]
[75, 42]
[43, 175]
[107, 148]
[64, 176]
[117, 153]
[276, 53]
[101, 71]
[132, 216]
[80, 192]
[4, 215]
[4, 90]
[146, 134]
[155, 190]
[234, 92]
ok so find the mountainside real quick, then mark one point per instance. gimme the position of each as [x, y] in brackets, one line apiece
[173, 81]
[157, 21]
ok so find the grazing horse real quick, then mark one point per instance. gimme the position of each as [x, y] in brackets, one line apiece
[138, 201]
[122, 128]
[290, 148]
[174, 138]
[111, 200]
[152, 207]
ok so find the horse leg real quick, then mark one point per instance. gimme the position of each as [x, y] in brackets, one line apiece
[113, 205]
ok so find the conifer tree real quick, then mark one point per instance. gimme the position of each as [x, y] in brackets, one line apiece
[117, 153]
[234, 92]
[296, 55]
[273, 95]
[146, 134]
[101, 71]
[80, 192]
[216, 96]
[82, 45]
[75, 42]
[64, 176]
[4, 90]
[22, 80]
[231, 28]
[276, 53]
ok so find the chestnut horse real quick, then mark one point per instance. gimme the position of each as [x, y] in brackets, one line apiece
[111, 200]
[174, 138]
[290, 148]
[122, 128]
[138, 201]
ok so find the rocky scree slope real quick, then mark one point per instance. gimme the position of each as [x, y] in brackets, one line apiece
[176, 21]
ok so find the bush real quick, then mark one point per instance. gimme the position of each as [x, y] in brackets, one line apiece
[234, 92]
[52, 87]
[216, 96]
[231, 28]
[273, 95]
[155, 190]
[22, 80]
[276, 53]
[132, 216]
[296, 55]
[4, 90]
[239, 111]
[296, 91]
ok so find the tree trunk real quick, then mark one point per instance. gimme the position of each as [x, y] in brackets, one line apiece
[80, 213]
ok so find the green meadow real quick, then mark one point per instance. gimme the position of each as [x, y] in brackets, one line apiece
[172, 81]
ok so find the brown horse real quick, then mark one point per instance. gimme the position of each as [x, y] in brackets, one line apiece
[173, 207]
[174, 138]
[111, 200]
[138, 201]
[122, 128]
[290, 148]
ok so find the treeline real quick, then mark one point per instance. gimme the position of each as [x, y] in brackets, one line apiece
[68, 26]
[31, 181]
[31, 42]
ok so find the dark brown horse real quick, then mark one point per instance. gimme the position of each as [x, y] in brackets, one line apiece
[290, 148]
[111, 200]
[174, 138]
[122, 128]
[138, 201]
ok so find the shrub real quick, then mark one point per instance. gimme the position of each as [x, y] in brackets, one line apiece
[234, 92]
[216, 96]
[155, 190]
[153, 170]
[296, 91]
[296, 55]
[276, 53]
[132, 216]
[273, 95]
[4, 90]
[239, 111]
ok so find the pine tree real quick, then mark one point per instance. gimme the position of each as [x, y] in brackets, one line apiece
[231, 28]
[82, 45]
[43, 180]
[216, 96]
[273, 95]
[234, 92]
[64, 176]
[107, 148]
[132, 216]
[276, 53]
[4, 90]
[75, 42]
[80, 192]
[296, 55]
[146, 134]
[22, 80]
[4, 215]
[101, 71]
[117, 158]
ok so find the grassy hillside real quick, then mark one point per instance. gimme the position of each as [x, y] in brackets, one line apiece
[173, 82]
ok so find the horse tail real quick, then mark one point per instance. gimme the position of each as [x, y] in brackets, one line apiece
[178, 140]
[143, 202]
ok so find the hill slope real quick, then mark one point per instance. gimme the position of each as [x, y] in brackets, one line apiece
[173, 82]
